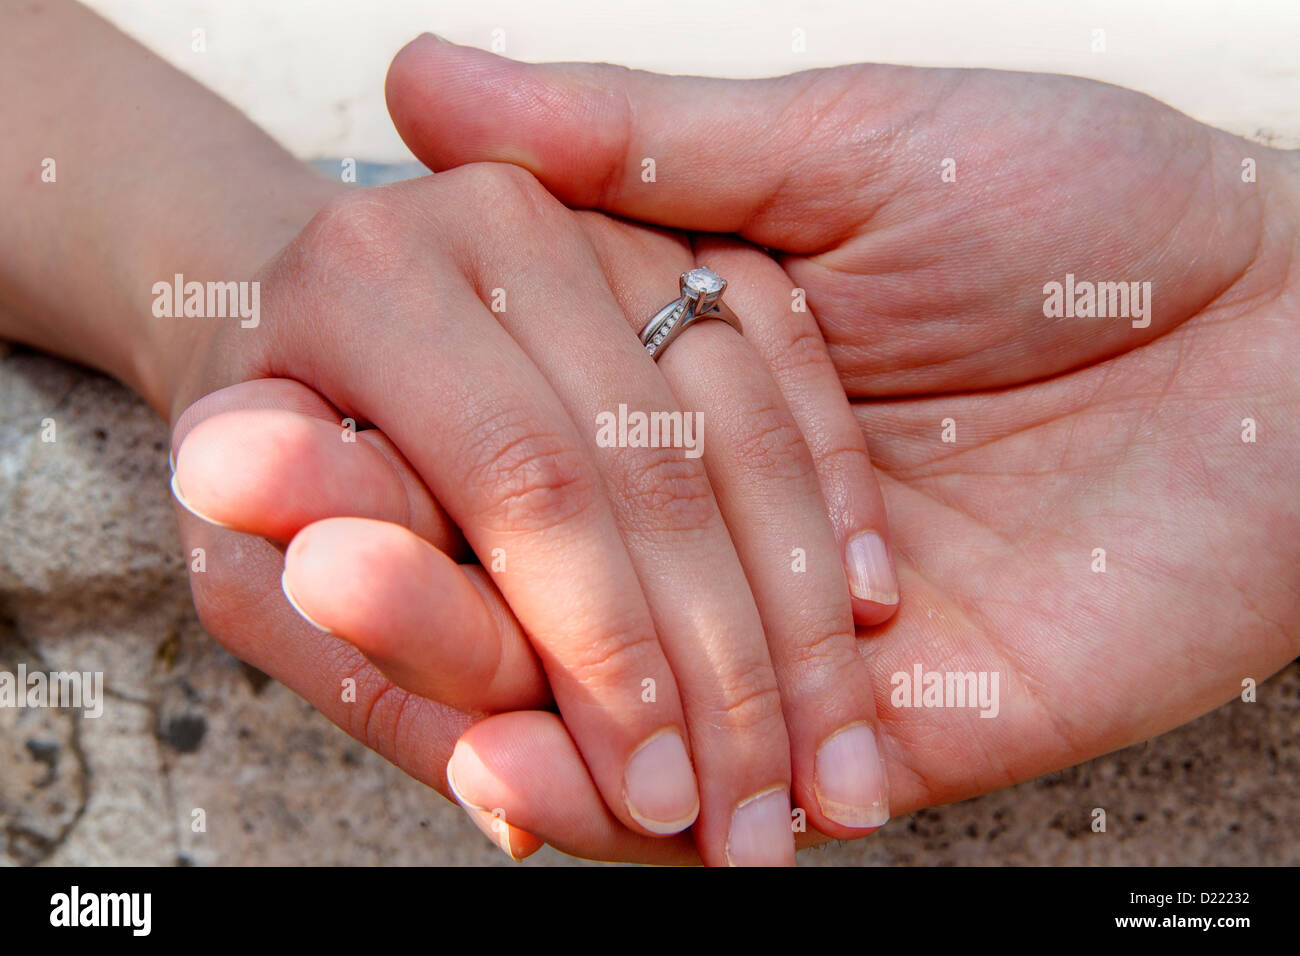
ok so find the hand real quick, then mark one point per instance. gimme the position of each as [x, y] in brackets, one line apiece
[216, 201]
[638, 603]
[1072, 434]
[389, 282]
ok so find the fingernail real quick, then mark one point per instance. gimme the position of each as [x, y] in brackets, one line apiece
[849, 778]
[492, 824]
[284, 586]
[871, 571]
[760, 831]
[171, 460]
[180, 497]
[659, 785]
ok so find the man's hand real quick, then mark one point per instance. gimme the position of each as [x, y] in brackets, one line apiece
[1101, 510]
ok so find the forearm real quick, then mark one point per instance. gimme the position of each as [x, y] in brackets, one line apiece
[152, 175]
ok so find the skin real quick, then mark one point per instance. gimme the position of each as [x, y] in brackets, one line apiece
[597, 613]
[624, 565]
[1085, 669]
[1072, 434]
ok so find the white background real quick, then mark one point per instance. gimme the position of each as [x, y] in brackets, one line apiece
[311, 72]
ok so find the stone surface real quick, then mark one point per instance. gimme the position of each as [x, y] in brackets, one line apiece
[91, 579]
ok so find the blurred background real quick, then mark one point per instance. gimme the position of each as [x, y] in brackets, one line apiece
[311, 72]
[91, 575]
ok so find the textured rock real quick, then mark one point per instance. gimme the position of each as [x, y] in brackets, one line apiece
[91, 578]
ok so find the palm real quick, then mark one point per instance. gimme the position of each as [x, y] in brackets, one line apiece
[1071, 434]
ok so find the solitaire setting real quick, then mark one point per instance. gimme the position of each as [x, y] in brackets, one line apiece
[703, 281]
[701, 298]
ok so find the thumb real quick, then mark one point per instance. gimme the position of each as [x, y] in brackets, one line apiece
[749, 157]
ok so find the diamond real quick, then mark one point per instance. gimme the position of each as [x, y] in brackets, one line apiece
[703, 280]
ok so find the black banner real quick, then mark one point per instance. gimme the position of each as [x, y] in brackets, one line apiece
[336, 906]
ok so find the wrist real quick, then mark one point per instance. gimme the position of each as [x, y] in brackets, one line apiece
[226, 241]
[149, 176]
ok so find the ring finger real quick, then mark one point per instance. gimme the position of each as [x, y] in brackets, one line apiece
[568, 321]
[767, 487]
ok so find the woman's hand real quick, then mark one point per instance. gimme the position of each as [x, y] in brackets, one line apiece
[123, 178]
[1072, 436]
[645, 578]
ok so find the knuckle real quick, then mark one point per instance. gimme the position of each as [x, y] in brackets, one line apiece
[663, 490]
[531, 225]
[771, 444]
[528, 479]
[506, 188]
[821, 645]
[382, 718]
[382, 714]
[355, 238]
[751, 702]
[802, 352]
[615, 656]
[847, 459]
